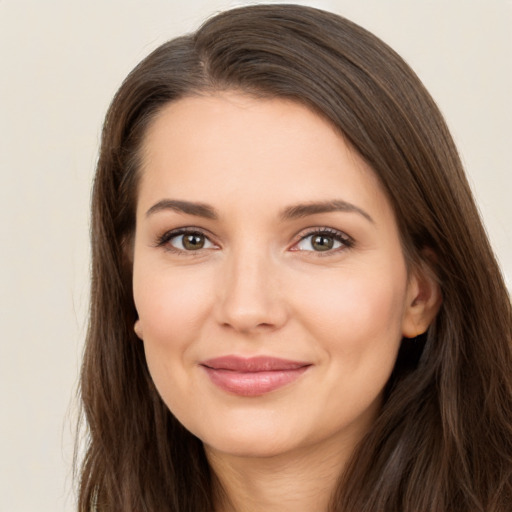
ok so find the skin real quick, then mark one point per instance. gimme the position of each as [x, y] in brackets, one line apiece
[258, 286]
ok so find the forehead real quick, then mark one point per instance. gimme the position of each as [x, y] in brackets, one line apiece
[231, 146]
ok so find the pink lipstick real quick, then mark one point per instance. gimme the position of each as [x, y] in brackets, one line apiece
[253, 376]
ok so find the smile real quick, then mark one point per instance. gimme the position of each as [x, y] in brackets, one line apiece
[252, 376]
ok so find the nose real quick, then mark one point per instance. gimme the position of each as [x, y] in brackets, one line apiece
[250, 298]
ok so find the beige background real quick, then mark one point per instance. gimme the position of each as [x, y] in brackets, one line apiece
[61, 62]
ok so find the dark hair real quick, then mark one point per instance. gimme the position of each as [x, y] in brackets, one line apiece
[443, 440]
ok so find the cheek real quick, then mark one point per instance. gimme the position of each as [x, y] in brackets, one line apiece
[170, 303]
[357, 324]
[359, 310]
[172, 309]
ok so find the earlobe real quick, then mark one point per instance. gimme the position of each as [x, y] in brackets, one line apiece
[423, 301]
[137, 327]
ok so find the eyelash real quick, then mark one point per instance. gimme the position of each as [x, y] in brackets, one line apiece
[163, 241]
[346, 241]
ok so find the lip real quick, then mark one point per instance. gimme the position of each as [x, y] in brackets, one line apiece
[253, 376]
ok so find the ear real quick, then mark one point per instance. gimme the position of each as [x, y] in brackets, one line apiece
[137, 327]
[423, 300]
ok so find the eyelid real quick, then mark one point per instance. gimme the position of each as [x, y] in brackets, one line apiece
[346, 240]
[164, 239]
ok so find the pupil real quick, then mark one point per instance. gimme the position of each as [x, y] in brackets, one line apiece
[193, 242]
[322, 243]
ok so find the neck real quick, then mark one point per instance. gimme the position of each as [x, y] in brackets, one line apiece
[301, 481]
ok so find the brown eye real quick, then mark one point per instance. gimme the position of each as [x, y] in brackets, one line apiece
[322, 242]
[186, 241]
[193, 242]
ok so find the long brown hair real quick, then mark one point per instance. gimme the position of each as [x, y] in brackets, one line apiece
[443, 440]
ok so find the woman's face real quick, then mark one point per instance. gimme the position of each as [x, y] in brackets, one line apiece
[268, 276]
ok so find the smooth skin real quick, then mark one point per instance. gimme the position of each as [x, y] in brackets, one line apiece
[231, 258]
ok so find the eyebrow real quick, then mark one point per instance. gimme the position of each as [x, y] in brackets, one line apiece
[291, 212]
[188, 207]
[336, 205]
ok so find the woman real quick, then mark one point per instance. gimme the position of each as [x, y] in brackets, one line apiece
[294, 302]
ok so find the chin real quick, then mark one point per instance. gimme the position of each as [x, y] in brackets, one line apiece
[255, 447]
[256, 440]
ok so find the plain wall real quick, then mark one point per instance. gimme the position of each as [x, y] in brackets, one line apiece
[61, 62]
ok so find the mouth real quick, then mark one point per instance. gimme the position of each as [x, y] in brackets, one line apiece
[253, 376]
